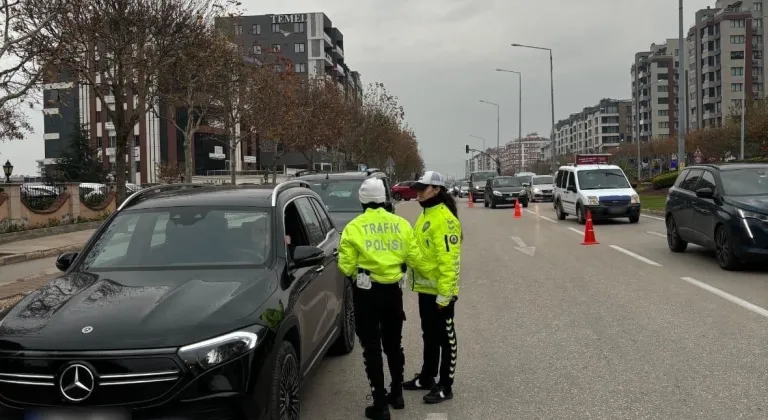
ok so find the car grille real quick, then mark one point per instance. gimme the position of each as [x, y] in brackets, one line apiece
[615, 200]
[546, 191]
[118, 381]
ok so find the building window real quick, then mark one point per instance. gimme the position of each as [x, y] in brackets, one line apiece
[136, 141]
[757, 71]
[300, 68]
[662, 88]
[275, 27]
[663, 124]
[736, 103]
[663, 112]
[737, 39]
[756, 40]
[737, 55]
[298, 27]
[256, 29]
[112, 141]
[737, 23]
[238, 30]
[663, 101]
[758, 6]
[758, 22]
[257, 49]
[737, 87]
[757, 87]
[737, 71]
[299, 48]
[278, 68]
[757, 54]
[276, 48]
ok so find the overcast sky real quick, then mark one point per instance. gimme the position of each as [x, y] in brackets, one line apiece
[439, 57]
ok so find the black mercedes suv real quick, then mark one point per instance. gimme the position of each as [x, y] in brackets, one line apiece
[190, 302]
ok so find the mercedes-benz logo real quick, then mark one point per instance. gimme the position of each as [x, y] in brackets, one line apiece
[87, 329]
[76, 382]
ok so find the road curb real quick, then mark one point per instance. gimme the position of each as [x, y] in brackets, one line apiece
[35, 255]
[657, 213]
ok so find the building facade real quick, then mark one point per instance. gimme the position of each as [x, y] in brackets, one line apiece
[655, 82]
[726, 61]
[520, 159]
[595, 128]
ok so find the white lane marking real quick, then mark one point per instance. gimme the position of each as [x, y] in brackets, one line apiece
[518, 240]
[575, 230]
[660, 235]
[653, 217]
[635, 256]
[548, 219]
[529, 211]
[739, 301]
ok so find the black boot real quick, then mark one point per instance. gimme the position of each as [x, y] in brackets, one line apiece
[379, 410]
[395, 397]
[419, 384]
[438, 394]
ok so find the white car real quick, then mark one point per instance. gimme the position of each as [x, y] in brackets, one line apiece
[602, 190]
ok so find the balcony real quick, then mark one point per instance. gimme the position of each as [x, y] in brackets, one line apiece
[328, 59]
[340, 70]
[327, 39]
[109, 126]
[339, 52]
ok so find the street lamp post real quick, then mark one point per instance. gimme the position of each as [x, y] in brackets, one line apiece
[8, 170]
[519, 113]
[498, 151]
[482, 166]
[681, 92]
[551, 93]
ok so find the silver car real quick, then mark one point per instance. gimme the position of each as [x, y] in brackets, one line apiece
[541, 188]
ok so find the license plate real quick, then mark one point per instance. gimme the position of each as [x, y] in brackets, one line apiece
[71, 414]
[619, 210]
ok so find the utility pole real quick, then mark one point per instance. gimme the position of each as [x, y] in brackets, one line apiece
[681, 94]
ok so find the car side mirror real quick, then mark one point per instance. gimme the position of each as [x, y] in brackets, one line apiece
[306, 256]
[571, 188]
[705, 193]
[64, 261]
[633, 185]
[525, 184]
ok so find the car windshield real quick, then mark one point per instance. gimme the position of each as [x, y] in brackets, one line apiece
[506, 182]
[480, 177]
[182, 237]
[748, 181]
[602, 179]
[543, 180]
[465, 184]
[525, 179]
[339, 195]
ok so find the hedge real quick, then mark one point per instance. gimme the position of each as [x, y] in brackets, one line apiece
[665, 180]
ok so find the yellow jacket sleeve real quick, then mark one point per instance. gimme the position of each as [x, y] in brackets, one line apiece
[348, 252]
[414, 258]
[447, 238]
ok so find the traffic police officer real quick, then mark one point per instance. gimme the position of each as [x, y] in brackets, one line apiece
[374, 250]
[438, 234]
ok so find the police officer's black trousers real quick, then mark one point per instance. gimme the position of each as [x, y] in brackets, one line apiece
[439, 335]
[379, 320]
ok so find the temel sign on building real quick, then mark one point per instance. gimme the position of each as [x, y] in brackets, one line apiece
[596, 159]
[294, 18]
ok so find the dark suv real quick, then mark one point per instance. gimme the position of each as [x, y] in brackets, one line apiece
[190, 302]
[503, 191]
[339, 192]
[723, 207]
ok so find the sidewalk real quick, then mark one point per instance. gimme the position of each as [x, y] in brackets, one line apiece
[48, 246]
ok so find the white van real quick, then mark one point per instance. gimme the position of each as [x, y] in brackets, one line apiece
[603, 190]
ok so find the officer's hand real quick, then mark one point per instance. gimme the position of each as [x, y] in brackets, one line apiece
[439, 308]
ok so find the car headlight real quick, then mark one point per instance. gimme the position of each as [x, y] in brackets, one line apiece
[209, 353]
[752, 215]
[496, 193]
[536, 190]
[635, 199]
[593, 201]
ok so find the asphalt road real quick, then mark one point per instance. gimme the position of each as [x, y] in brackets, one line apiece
[551, 329]
[620, 330]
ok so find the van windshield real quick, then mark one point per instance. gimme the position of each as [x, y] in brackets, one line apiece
[602, 179]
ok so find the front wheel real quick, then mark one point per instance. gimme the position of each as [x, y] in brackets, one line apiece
[580, 216]
[286, 383]
[559, 210]
[346, 341]
[634, 218]
[397, 196]
[724, 250]
[674, 240]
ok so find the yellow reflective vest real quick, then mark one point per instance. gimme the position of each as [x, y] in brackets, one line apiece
[438, 234]
[380, 242]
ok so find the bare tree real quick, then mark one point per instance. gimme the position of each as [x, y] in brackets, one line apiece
[320, 118]
[190, 85]
[119, 48]
[22, 69]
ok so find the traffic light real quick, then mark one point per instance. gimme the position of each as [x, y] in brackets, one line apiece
[467, 150]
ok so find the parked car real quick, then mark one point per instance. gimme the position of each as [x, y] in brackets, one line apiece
[504, 191]
[339, 192]
[603, 190]
[722, 207]
[403, 191]
[190, 301]
[541, 188]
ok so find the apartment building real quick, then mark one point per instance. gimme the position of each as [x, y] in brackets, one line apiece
[595, 128]
[520, 154]
[315, 48]
[726, 60]
[655, 83]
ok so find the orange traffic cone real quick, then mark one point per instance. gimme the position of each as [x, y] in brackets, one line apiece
[589, 232]
[518, 209]
[471, 202]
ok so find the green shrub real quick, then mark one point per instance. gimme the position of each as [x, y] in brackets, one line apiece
[665, 180]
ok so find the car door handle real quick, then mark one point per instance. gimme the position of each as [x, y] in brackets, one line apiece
[320, 269]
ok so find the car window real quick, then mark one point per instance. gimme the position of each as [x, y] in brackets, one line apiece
[339, 194]
[748, 181]
[322, 214]
[708, 181]
[311, 222]
[183, 236]
[691, 179]
[571, 179]
[602, 179]
[525, 179]
[543, 180]
[506, 182]
[681, 177]
[558, 179]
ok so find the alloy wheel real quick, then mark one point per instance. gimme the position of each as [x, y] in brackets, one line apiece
[289, 389]
[349, 317]
[722, 248]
